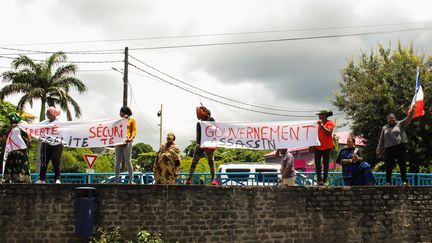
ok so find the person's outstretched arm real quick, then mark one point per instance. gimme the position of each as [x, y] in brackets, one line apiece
[407, 120]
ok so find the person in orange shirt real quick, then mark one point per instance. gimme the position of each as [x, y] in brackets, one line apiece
[124, 151]
[325, 136]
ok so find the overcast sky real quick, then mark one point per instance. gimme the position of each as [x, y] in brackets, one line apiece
[298, 75]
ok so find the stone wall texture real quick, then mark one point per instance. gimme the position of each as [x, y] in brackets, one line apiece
[45, 213]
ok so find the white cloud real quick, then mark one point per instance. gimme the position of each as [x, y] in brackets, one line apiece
[294, 74]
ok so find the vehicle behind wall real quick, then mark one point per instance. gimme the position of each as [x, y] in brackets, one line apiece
[248, 174]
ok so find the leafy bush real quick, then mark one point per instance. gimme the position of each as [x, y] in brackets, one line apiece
[114, 236]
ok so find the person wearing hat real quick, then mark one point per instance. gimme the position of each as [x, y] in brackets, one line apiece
[325, 136]
[166, 167]
[51, 150]
[124, 151]
[16, 167]
[203, 114]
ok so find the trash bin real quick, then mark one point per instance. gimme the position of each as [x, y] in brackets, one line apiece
[84, 211]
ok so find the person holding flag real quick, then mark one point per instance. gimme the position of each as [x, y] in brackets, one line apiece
[393, 138]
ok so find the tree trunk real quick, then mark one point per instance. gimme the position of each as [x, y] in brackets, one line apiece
[42, 111]
[39, 143]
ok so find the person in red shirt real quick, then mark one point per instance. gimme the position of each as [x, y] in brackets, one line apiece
[325, 136]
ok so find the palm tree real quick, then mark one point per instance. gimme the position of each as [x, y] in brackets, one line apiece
[41, 81]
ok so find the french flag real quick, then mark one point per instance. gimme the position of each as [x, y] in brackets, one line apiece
[418, 98]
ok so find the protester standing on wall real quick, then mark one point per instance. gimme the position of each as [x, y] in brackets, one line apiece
[325, 136]
[16, 166]
[392, 144]
[287, 167]
[203, 114]
[124, 151]
[51, 150]
[166, 167]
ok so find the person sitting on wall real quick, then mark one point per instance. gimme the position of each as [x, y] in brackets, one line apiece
[355, 172]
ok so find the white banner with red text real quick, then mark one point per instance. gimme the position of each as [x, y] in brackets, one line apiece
[79, 134]
[259, 135]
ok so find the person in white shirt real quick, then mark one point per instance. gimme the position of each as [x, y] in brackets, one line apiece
[51, 150]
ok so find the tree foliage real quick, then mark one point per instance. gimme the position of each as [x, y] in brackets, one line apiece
[143, 156]
[382, 82]
[221, 156]
[140, 148]
[49, 81]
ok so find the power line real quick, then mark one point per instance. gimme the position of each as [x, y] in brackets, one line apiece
[90, 52]
[218, 101]
[139, 110]
[133, 98]
[214, 34]
[216, 95]
[118, 51]
[98, 61]
[94, 70]
[277, 40]
[7, 57]
[110, 61]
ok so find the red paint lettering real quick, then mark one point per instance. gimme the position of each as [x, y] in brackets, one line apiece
[307, 130]
[208, 132]
[92, 132]
[249, 131]
[292, 132]
[54, 130]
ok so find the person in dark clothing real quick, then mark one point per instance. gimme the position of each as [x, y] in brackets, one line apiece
[355, 172]
[203, 114]
[392, 144]
[50, 150]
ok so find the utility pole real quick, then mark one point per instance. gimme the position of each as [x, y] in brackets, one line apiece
[160, 115]
[125, 77]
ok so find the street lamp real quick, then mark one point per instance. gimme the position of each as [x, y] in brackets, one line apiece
[160, 115]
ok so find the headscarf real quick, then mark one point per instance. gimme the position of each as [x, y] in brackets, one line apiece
[203, 112]
[54, 111]
[14, 117]
[171, 135]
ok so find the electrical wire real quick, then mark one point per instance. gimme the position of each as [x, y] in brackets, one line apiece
[117, 51]
[218, 101]
[88, 62]
[133, 98]
[219, 96]
[139, 110]
[278, 40]
[215, 34]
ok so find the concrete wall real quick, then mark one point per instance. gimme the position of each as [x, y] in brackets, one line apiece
[45, 213]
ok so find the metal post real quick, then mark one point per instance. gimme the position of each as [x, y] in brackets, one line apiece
[125, 77]
[160, 115]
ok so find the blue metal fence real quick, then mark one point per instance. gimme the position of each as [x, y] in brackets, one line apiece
[233, 178]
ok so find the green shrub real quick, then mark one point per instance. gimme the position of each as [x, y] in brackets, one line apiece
[114, 236]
